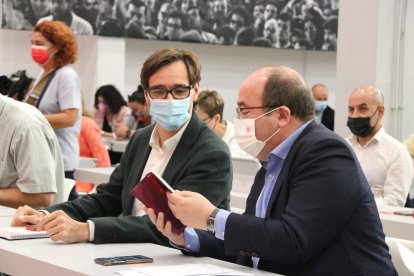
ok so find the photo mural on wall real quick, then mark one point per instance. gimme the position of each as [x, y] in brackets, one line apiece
[287, 24]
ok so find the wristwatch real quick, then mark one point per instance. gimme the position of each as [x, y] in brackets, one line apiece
[210, 221]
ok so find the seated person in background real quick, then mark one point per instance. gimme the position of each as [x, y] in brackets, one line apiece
[110, 109]
[182, 149]
[31, 164]
[91, 145]
[209, 107]
[310, 210]
[139, 116]
[385, 161]
[324, 113]
[409, 144]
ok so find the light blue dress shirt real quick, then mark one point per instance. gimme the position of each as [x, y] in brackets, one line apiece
[273, 166]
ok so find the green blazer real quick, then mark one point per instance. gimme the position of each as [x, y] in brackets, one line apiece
[201, 163]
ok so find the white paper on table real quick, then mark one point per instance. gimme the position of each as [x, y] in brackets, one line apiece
[182, 270]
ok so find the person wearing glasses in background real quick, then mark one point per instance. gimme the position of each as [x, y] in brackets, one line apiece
[180, 147]
[310, 210]
[209, 107]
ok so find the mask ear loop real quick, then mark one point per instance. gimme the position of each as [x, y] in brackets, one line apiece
[277, 131]
[373, 116]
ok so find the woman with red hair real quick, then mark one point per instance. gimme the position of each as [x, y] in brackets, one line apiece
[56, 91]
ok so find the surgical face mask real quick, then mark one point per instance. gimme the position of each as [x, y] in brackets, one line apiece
[320, 106]
[245, 134]
[102, 107]
[361, 127]
[170, 114]
[40, 55]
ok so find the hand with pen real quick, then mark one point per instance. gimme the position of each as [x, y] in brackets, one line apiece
[58, 225]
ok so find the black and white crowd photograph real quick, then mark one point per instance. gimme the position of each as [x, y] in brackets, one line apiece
[286, 24]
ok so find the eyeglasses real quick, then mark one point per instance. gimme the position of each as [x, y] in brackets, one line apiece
[178, 93]
[241, 111]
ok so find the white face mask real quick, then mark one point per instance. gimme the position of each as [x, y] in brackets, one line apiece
[244, 130]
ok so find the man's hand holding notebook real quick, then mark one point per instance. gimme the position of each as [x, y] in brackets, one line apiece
[151, 191]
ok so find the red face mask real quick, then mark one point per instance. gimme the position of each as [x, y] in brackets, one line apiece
[40, 55]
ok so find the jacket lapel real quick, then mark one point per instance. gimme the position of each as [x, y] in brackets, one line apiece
[283, 175]
[183, 147]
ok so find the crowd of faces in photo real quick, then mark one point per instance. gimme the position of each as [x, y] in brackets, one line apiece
[288, 24]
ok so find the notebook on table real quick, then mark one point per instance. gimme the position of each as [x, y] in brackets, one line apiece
[152, 192]
[20, 233]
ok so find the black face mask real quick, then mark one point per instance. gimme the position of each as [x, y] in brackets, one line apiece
[361, 127]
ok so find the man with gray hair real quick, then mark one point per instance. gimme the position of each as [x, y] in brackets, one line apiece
[385, 161]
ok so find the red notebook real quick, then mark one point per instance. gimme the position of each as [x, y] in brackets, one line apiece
[151, 191]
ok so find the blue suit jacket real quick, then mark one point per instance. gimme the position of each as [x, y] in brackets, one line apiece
[321, 219]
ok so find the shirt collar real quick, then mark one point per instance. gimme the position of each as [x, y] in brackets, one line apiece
[375, 139]
[282, 150]
[171, 143]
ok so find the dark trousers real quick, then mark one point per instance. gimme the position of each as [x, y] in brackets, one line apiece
[73, 193]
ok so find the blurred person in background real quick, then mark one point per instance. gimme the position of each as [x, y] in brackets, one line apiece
[209, 107]
[91, 145]
[62, 11]
[324, 113]
[140, 116]
[110, 111]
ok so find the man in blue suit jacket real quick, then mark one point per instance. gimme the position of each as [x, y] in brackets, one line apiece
[310, 210]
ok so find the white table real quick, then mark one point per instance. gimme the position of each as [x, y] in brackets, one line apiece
[397, 226]
[115, 144]
[93, 175]
[45, 257]
[6, 211]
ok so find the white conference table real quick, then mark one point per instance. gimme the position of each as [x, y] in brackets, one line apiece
[93, 175]
[45, 257]
[397, 226]
[115, 144]
[6, 211]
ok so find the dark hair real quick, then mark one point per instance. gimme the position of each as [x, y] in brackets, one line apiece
[20, 84]
[112, 97]
[210, 102]
[137, 96]
[262, 42]
[243, 12]
[281, 88]
[5, 84]
[178, 15]
[227, 33]
[110, 27]
[331, 24]
[245, 37]
[165, 57]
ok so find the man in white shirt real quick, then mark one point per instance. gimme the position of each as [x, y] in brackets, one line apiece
[385, 161]
[31, 164]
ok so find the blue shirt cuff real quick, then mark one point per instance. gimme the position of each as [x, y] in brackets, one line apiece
[220, 223]
[191, 241]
